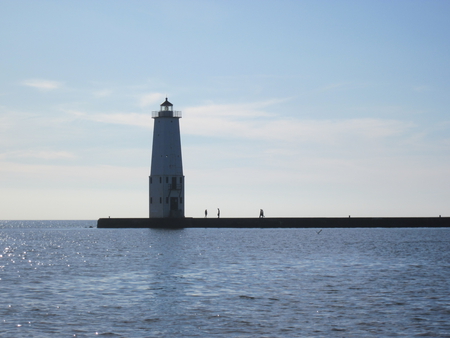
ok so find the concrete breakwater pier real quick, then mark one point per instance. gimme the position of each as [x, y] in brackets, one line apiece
[281, 222]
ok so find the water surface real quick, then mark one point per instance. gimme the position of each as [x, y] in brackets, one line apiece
[64, 279]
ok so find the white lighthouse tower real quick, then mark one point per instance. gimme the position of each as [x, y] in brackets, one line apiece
[166, 174]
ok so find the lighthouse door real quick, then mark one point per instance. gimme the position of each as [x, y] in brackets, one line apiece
[174, 203]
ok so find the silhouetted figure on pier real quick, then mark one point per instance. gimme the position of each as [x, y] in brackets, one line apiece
[261, 213]
[218, 213]
[206, 213]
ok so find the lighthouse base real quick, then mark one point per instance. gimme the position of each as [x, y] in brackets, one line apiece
[298, 222]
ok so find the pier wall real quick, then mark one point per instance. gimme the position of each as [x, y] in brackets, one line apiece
[297, 222]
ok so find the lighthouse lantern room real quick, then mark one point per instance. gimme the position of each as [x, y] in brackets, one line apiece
[166, 173]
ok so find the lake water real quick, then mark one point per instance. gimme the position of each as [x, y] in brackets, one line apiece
[64, 279]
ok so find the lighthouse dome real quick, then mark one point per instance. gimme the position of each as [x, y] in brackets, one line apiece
[166, 103]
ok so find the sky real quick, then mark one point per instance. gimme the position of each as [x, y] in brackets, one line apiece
[299, 108]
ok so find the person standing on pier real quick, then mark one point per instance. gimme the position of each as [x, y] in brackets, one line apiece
[218, 213]
[261, 213]
[206, 213]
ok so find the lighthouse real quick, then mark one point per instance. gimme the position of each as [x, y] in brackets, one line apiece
[166, 173]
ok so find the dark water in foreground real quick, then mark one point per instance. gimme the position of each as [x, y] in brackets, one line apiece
[62, 279]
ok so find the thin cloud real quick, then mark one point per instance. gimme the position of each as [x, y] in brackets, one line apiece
[131, 119]
[341, 86]
[40, 154]
[252, 122]
[5, 123]
[42, 84]
[246, 110]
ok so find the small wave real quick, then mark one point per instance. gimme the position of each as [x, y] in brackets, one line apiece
[108, 334]
[152, 320]
[246, 297]
[338, 329]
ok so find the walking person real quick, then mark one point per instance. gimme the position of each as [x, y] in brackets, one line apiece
[206, 213]
[261, 213]
[218, 213]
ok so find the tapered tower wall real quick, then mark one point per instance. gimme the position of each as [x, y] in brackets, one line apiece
[166, 174]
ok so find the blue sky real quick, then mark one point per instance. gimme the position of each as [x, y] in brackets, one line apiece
[301, 108]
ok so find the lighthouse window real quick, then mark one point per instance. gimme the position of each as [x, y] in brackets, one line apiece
[160, 180]
[160, 200]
